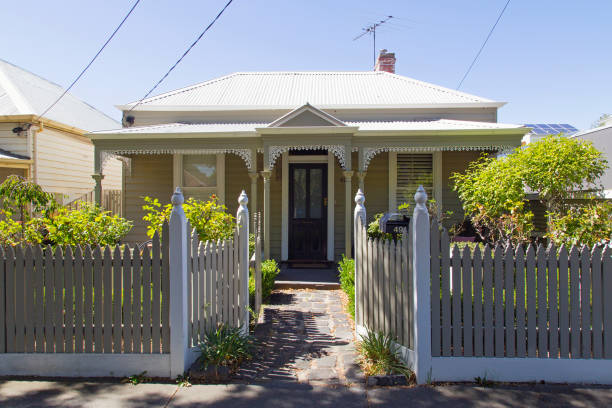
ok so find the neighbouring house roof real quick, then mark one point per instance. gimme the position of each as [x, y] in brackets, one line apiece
[5, 154]
[237, 127]
[594, 130]
[551, 128]
[286, 90]
[24, 93]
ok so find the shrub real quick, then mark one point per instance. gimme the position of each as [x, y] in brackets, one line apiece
[379, 356]
[209, 218]
[225, 346]
[269, 271]
[87, 225]
[346, 268]
[586, 225]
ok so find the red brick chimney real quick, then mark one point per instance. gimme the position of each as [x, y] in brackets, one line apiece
[385, 62]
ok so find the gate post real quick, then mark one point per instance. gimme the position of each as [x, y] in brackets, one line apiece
[359, 220]
[179, 334]
[242, 220]
[421, 283]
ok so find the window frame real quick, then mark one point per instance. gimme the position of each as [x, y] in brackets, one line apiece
[219, 190]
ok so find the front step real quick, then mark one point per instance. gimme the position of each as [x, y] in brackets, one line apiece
[306, 285]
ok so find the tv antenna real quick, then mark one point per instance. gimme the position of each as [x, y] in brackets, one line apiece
[371, 29]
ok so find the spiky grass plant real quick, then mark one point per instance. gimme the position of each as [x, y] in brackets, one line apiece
[379, 356]
[225, 346]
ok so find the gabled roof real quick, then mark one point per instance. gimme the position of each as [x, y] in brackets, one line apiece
[24, 93]
[307, 112]
[285, 90]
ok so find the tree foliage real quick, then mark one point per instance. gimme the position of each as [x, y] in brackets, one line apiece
[589, 224]
[493, 190]
[209, 218]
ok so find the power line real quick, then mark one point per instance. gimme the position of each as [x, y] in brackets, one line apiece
[182, 56]
[483, 44]
[90, 62]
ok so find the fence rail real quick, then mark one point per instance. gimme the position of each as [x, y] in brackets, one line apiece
[111, 201]
[516, 302]
[85, 300]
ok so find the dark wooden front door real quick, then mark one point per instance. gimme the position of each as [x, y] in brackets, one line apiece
[308, 212]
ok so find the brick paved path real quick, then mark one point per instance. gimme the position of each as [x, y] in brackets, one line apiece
[307, 337]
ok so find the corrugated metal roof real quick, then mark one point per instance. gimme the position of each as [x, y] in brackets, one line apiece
[321, 89]
[432, 125]
[24, 93]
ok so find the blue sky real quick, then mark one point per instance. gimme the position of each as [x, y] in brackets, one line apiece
[549, 59]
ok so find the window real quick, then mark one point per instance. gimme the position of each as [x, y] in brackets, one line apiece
[413, 169]
[200, 175]
[199, 170]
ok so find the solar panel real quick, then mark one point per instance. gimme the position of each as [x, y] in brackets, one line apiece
[551, 128]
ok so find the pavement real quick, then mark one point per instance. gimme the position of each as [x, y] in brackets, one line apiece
[305, 358]
[28, 394]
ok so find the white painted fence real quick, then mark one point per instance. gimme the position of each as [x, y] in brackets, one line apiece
[510, 314]
[119, 311]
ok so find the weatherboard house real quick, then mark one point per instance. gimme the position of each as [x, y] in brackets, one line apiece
[301, 144]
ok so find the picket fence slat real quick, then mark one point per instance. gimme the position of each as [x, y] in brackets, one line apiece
[146, 301]
[10, 300]
[521, 338]
[606, 270]
[434, 246]
[3, 289]
[39, 279]
[29, 300]
[466, 270]
[93, 318]
[478, 324]
[165, 287]
[69, 300]
[487, 289]
[564, 332]
[49, 298]
[117, 286]
[226, 294]
[509, 301]
[597, 304]
[574, 303]
[392, 291]
[542, 306]
[456, 302]
[201, 289]
[371, 282]
[137, 281]
[498, 300]
[209, 289]
[193, 286]
[585, 297]
[446, 304]
[19, 301]
[399, 305]
[107, 284]
[531, 303]
[78, 300]
[553, 313]
[409, 266]
[237, 302]
[156, 309]
[126, 307]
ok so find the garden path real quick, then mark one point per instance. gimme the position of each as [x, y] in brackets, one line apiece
[306, 336]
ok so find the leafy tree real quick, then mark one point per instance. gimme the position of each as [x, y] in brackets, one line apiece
[589, 224]
[209, 218]
[19, 194]
[603, 119]
[492, 190]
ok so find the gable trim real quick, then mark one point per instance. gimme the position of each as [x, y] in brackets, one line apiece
[307, 108]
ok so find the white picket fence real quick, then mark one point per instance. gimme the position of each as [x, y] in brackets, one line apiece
[510, 314]
[118, 311]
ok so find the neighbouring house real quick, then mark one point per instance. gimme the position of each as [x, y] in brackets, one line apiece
[301, 144]
[50, 150]
[602, 140]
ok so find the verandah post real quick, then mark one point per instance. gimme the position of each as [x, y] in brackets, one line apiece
[421, 282]
[242, 219]
[179, 334]
[359, 220]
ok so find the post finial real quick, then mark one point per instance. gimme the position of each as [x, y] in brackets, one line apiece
[177, 197]
[359, 197]
[420, 196]
[243, 200]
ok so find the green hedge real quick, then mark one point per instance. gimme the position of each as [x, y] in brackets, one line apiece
[346, 267]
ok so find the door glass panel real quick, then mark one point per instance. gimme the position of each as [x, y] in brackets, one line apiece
[316, 191]
[299, 193]
[199, 170]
